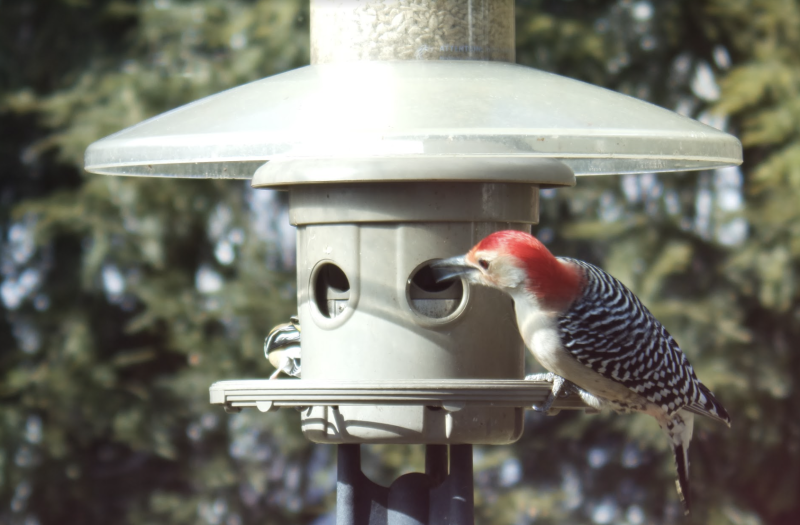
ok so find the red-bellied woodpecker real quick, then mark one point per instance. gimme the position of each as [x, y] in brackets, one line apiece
[586, 327]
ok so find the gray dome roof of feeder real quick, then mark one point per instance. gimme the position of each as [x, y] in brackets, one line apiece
[413, 109]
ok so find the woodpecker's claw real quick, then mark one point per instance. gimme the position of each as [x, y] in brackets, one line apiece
[561, 387]
[558, 386]
[548, 403]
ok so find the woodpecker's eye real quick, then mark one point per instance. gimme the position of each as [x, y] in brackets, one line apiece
[484, 263]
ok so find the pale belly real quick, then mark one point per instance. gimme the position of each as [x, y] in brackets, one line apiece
[540, 332]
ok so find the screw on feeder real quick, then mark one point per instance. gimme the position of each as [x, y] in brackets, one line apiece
[392, 160]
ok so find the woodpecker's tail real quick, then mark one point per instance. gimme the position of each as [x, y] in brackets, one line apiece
[679, 430]
[682, 483]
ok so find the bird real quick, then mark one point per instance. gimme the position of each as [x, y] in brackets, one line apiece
[594, 336]
[282, 348]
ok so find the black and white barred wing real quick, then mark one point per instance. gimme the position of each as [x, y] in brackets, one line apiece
[609, 330]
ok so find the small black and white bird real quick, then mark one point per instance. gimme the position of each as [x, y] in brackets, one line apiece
[282, 348]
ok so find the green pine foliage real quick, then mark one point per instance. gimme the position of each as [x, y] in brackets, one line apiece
[108, 359]
[123, 299]
[729, 299]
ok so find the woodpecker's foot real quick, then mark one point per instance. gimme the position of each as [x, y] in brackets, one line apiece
[560, 387]
[546, 376]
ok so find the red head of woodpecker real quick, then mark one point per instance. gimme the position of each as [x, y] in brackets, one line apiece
[520, 265]
[591, 331]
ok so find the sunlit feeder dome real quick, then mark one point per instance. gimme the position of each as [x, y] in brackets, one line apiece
[422, 109]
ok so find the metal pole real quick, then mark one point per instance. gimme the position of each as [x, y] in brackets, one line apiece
[440, 496]
[462, 497]
[436, 462]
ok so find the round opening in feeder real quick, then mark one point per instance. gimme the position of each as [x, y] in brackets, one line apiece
[331, 290]
[431, 298]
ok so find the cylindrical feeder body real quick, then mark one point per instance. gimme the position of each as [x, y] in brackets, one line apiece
[368, 229]
[369, 305]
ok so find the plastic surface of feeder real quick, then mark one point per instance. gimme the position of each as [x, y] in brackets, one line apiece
[378, 331]
[289, 171]
[414, 202]
[413, 109]
[369, 306]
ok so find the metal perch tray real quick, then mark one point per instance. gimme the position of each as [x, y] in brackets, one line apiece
[448, 394]
[432, 411]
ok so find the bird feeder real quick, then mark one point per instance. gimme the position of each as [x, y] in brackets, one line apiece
[411, 136]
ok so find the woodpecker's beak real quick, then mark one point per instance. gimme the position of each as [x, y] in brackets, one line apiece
[446, 269]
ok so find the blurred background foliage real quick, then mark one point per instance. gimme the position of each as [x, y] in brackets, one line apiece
[124, 299]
